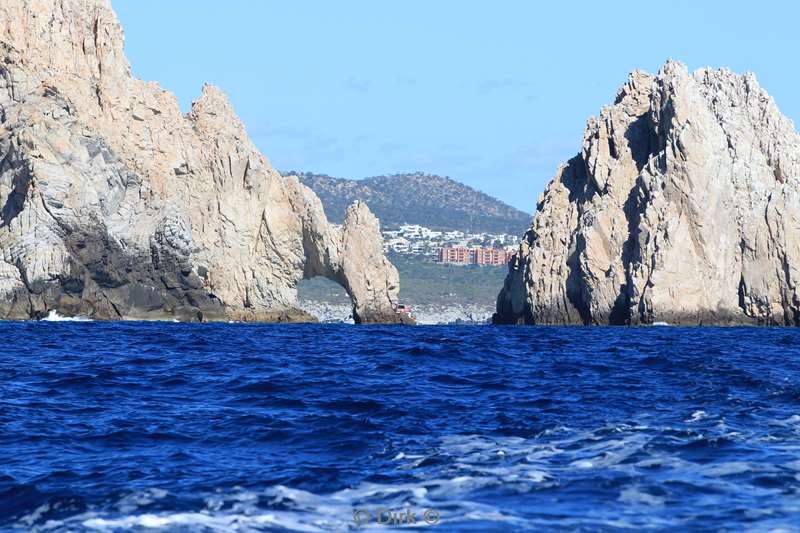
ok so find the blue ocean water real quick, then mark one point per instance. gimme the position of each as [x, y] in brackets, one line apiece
[231, 427]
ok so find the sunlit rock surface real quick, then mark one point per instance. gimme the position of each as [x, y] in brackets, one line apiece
[681, 207]
[114, 204]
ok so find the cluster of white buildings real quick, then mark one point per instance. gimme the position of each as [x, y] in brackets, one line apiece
[419, 240]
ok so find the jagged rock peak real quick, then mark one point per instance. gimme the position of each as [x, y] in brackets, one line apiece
[682, 207]
[113, 204]
[213, 106]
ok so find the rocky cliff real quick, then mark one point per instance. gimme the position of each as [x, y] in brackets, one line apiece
[682, 206]
[114, 204]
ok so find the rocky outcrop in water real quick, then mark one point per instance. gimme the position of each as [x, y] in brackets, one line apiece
[682, 207]
[114, 204]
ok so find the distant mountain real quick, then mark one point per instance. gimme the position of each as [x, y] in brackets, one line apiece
[433, 201]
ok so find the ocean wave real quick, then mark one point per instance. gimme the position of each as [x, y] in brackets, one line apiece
[53, 316]
[452, 476]
[285, 509]
[148, 426]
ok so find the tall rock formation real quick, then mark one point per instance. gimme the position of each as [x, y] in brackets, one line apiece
[683, 206]
[114, 204]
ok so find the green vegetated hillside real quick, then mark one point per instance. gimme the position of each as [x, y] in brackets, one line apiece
[437, 202]
[425, 283]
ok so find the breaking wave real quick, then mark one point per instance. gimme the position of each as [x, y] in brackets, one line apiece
[53, 316]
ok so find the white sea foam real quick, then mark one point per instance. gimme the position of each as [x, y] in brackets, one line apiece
[464, 466]
[791, 421]
[696, 416]
[239, 511]
[202, 521]
[137, 500]
[637, 496]
[733, 468]
[53, 316]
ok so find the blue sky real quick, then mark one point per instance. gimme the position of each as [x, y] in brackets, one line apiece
[494, 94]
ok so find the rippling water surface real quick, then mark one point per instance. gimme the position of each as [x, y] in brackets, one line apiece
[173, 427]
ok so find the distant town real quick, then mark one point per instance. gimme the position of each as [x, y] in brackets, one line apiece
[456, 247]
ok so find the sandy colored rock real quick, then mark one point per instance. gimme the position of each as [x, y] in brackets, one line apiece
[114, 204]
[682, 207]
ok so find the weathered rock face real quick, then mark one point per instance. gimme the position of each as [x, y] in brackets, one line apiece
[113, 204]
[683, 206]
